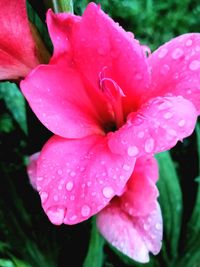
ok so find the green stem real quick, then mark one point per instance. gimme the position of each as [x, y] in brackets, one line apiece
[95, 250]
[63, 6]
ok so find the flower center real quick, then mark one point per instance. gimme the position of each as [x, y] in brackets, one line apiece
[113, 94]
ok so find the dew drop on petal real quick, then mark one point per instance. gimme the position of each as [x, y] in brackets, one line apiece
[194, 65]
[189, 42]
[149, 145]
[172, 132]
[56, 215]
[69, 186]
[163, 52]
[59, 172]
[72, 173]
[158, 226]
[39, 178]
[181, 123]
[43, 196]
[126, 167]
[165, 105]
[73, 218]
[132, 151]
[55, 197]
[101, 51]
[72, 197]
[177, 53]
[168, 115]
[140, 134]
[85, 210]
[164, 69]
[108, 192]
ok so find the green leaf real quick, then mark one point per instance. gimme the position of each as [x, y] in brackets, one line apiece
[6, 123]
[95, 250]
[63, 6]
[193, 227]
[171, 203]
[15, 103]
[6, 263]
[41, 27]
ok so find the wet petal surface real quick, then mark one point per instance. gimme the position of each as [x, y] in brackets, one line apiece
[133, 236]
[77, 178]
[175, 68]
[156, 127]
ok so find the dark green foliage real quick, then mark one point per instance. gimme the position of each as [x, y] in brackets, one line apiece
[27, 238]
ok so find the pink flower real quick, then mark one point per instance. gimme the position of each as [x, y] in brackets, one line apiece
[111, 109]
[19, 48]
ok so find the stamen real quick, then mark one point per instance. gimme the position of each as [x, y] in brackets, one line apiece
[113, 94]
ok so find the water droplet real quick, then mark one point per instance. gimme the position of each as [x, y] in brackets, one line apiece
[114, 176]
[181, 123]
[163, 52]
[55, 198]
[146, 227]
[85, 210]
[132, 151]
[126, 167]
[172, 132]
[101, 51]
[72, 197]
[197, 48]
[72, 173]
[56, 215]
[165, 105]
[114, 54]
[138, 76]
[82, 169]
[168, 115]
[194, 65]
[39, 178]
[43, 196]
[165, 69]
[158, 226]
[89, 183]
[69, 186]
[177, 53]
[141, 135]
[188, 42]
[59, 172]
[60, 187]
[108, 192]
[73, 218]
[149, 145]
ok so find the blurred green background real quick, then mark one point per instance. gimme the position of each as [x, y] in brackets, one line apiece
[27, 238]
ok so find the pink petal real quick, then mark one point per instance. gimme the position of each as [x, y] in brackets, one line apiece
[139, 198]
[32, 169]
[176, 68]
[77, 178]
[57, 96]
[18, 52]
[100, 44]
[133, 236]
[156, 127]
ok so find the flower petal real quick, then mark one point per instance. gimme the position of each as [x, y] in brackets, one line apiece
[133, 236]
[57, 96]
[77, 178]
[176, 68]
[98, 45]
[156, 127]
[139, 198]
[18, 52]
[32, 169]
